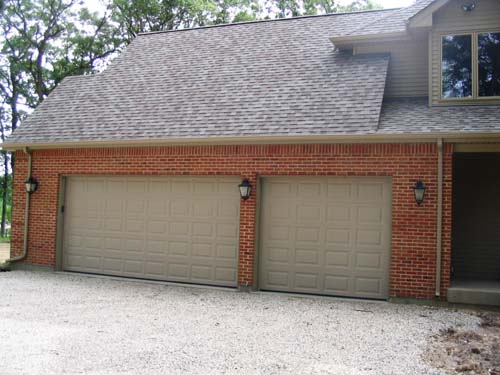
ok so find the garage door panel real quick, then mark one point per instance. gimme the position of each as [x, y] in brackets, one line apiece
[277, 254]
[202, 250]
[328, 235]
[369, 260]
[368, 286]
[307, 281]
[112, 207]
[135, 207]
[165, 228]
[339, 191]
[278, 279]
[225, 274]
[338, 214]
[110, 224]
[180, 208]
[156, 246]
[337, 284]
[370, 192]
[309, 190]
[307, 256]
[307, 235]
[157, 208]
[226, 231]
[228, 209]
[281, 189]
[180, 187]
[178, 271]
[155, 269]
[338, 237]
[156, 226]
[278, 233]
[204, 209]
[226, 251]
[368, 237]
[370, 215]
[203, 229]
[201, 273]
[279, 210]
[336, 258]
[89, 262]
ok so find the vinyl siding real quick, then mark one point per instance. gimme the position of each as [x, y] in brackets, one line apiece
[451, 19]
[407, 75]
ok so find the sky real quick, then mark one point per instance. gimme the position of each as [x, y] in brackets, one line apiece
[395, 3]
[95, 4]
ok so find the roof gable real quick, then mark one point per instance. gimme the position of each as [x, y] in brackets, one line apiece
[424, 17]
[392, 23]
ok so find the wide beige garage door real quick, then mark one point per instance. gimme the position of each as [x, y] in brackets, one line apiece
[167, 228]
[326, 235]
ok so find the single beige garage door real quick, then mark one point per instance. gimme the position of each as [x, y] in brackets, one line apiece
[166, 228]
[326, 235]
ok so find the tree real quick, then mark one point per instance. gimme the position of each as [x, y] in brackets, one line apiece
[139, 16]
[294, 8]
[43, 42]
[4, 185]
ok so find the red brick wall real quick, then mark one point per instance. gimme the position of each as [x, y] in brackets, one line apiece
[413, 228]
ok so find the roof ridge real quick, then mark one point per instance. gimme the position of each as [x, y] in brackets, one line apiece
[267, 21]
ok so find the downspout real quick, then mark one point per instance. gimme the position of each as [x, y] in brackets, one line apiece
[26, 217]
[439, 228]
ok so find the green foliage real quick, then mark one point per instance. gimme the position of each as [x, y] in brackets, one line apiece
[138, 16]
[293, 8]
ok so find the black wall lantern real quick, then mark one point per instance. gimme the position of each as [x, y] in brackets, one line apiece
[419, 191]
[31, 185]
[245, 189]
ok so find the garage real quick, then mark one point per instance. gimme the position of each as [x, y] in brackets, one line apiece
[182, 229]
[326, 235]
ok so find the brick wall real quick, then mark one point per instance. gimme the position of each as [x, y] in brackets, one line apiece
[413, 228]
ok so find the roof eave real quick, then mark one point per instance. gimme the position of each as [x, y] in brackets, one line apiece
[452, 137]
[350, 40]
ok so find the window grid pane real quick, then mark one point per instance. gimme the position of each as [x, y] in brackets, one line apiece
[489, 64]
[456, 66]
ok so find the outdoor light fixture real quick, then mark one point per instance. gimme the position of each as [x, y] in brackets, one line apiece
[31, 185]
[419, 190]
[245, 189]
[468, 7]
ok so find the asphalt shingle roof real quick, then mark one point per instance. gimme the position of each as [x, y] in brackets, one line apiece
[263, 78]
[413, 116]
[273, 78]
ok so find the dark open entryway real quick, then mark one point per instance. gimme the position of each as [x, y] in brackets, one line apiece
[476, 221]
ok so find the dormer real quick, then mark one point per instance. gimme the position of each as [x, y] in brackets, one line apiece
[465, 45]
[446, 50]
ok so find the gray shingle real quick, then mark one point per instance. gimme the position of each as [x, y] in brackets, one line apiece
[413, 116]
[263, 78]
[273, 78]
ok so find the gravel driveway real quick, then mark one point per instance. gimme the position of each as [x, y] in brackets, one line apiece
[63, 323]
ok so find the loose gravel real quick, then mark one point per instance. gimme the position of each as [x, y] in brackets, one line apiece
[74, 324]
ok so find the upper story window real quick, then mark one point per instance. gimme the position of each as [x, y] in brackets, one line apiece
[470, 66]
